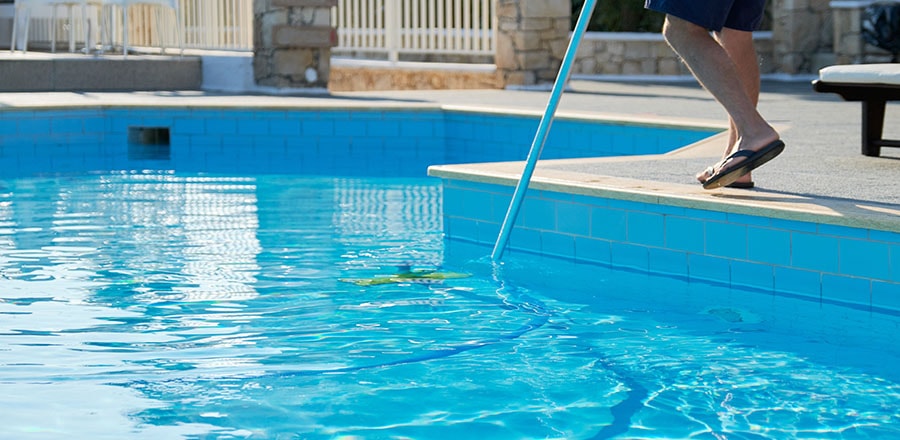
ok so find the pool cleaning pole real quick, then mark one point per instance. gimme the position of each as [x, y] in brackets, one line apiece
[541, 136]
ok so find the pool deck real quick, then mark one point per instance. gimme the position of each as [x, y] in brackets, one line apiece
[821, 174]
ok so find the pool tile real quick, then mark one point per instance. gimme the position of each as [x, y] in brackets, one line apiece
[266, 144]
[557, 245]
[324, 128]
[668, 262]
[593, 250]
[589, 201]
[726, 240]
[454, 200]
[67, 125]
[187, 126]
[221, 126]
[34, 126]
[703, 267]
[8, 127]
[473, 205]
[684, 234]
[630, 256]
[888, 236]
[374, 145]
[353, 115]
[524, 239]
[703, 214]
[499, 207]
[886, 295]
[460, 228]
[846, 289]
[895, 262]
[417, 129]
[646, 229]
[608, 224]
[670, 210]
[797, 281]
[752, 220]
[385, 129]
[629, 205]
[794, 225]
[760, 276]
[865, 258]
[843, 231]
[285, 127]
[488, 232]
[152, 119]
[625, 144]
[810, 251]
[769, 245]
[573, 218]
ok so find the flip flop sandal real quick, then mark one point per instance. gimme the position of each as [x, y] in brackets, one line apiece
[711, 171]
[741, 185]
[752, 160]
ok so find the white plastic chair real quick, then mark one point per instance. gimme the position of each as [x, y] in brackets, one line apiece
[160, 5]
[24, 9]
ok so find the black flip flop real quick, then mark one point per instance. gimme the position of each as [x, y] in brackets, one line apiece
[741, 185]
[752, 160]
[738, 185]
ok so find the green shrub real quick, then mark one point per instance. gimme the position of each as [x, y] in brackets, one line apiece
[619, 16]
[630, 16]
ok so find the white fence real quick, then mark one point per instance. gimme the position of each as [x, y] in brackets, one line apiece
[395, 27]
[208, 24]
[385, 28]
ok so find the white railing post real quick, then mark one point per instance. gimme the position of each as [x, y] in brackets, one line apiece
[392, 26]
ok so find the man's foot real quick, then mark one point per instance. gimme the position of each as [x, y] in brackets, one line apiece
[741, 162]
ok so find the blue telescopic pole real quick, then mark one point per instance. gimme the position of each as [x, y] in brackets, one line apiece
[541, 136]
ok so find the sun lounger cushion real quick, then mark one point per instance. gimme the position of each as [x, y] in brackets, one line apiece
[871, 84]
[862, 74]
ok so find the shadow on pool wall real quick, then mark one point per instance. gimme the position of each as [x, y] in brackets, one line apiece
[399, 142]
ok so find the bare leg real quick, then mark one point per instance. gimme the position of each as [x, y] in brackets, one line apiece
[713, 67]
[740, 48]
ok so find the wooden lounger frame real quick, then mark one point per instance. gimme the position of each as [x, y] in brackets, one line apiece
[873, 97]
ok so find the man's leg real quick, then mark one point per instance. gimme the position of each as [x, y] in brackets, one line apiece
[717, 72]
[740, 48]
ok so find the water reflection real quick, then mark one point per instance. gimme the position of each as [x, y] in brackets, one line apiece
[112, 278]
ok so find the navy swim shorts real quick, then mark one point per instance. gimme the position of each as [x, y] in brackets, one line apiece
[742, 15]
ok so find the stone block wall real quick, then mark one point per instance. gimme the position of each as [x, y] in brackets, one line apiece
[532, 38]
[624, 53]
[849, 46]
[802, 33]
[292, 42]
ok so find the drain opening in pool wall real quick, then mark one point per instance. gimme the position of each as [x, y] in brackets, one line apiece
[149, 143]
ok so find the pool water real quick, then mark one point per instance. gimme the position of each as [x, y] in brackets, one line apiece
[172, 305]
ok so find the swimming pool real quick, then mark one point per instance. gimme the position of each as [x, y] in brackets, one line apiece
[161, 304]
[280, 274]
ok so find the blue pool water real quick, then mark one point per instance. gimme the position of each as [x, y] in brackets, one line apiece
[179, 305]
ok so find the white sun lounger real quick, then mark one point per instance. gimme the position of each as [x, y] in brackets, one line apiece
[873, 85]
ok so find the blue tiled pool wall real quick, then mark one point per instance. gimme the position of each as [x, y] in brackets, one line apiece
[498, 138]
[368, 142]
[835, 264]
